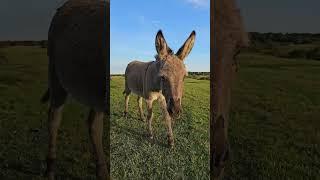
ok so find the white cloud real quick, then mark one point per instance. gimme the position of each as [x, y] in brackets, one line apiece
[156, 23]
[199, 3]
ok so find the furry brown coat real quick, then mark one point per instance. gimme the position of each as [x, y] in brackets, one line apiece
[78, 56]
[159, 80]
[227, 37]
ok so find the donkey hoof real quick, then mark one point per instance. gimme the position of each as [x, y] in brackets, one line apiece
[151, 140]
[49, 175]
[101, 174]
[125, 115]
[151, 137]
[170, 142]
[51, 164]
[101, 171]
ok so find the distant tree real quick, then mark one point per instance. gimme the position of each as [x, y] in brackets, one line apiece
[12, 43]
[43, 44]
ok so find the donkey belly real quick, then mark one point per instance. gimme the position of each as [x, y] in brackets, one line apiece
[86, 83]
[79, 53]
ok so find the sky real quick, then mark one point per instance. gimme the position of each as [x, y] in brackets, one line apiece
[134, 24]
[26, 19]
[292, 16]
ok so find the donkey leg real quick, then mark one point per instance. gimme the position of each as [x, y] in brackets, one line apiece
[168, 120]
[57, 96]
[95, 126]
[54, 119]
[149, 118]
[142, 118]
[127, 97]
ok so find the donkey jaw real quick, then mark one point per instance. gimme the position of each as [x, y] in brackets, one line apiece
[174, 114]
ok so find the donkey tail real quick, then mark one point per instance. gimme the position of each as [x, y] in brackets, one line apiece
[45, 97]
[127, 90]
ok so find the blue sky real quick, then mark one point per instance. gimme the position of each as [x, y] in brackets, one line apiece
[134, 25]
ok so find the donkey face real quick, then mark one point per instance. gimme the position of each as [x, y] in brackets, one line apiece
[172, 71]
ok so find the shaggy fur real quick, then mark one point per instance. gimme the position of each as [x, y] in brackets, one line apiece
[227, 37]
[78, 51]
[159, 80]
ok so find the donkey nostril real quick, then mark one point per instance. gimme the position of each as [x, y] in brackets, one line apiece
[171, 102]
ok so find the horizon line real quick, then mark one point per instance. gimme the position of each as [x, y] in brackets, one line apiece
[283, 32]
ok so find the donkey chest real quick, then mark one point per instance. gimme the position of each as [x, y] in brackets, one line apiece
[153, 95]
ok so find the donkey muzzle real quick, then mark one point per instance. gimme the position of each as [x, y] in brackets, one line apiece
[175, 108]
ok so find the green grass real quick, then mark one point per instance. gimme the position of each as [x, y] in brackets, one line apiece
[23, 122]
[134, 156]
[274, 130]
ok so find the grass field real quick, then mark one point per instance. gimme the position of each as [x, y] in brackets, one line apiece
[23, 122]
[274, 128]
[134, 156]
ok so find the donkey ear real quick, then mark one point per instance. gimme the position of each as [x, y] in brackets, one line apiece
[187, 46]
[161, 45]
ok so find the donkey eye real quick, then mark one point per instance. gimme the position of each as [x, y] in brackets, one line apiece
[162, 78]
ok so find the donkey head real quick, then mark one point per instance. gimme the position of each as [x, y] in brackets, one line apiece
[172, 71]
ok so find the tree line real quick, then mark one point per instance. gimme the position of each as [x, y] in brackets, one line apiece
[296, 38]
[286, 45]
[42, 43]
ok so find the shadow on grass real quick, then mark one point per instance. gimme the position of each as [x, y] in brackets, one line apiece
[140, 135]
[23, 168]
[192, 82]
[37, 168]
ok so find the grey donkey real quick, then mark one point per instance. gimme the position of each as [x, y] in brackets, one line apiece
[162, 80]
[78, 53]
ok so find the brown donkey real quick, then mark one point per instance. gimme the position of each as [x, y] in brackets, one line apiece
[160, 80]
[78, 51]
[227, 38]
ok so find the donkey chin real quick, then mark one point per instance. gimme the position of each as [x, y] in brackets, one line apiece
[174, 111]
